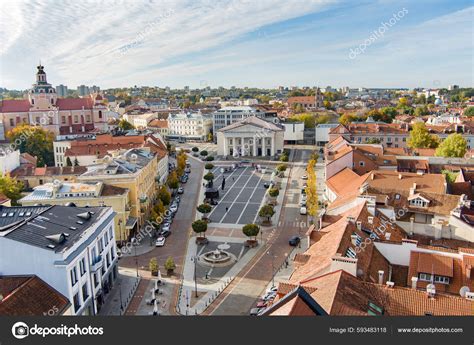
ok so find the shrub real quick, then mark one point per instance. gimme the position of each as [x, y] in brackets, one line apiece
[169, 264]
[199, 226]
[251, 230]
[266, 211]
[195, 149]
[209, 166]
[203, 153]
[209, 176]
[204, 208]
[209, 158]
[273, 192]
[153, 265]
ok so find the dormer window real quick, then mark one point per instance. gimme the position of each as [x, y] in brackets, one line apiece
[419, 202]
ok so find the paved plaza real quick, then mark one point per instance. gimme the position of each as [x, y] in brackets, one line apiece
[242, 196]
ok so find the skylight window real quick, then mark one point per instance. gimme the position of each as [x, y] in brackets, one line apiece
[350, 253]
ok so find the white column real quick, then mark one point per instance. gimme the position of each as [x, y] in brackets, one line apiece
[264, 151]
[273, 145]
[254, 147]
[242, 146]
[234, 145]
[225, 145]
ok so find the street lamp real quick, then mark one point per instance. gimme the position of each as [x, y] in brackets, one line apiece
[273, 268]
[120, 292]
[195, 280]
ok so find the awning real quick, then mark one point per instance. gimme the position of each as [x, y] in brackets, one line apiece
[131, 221]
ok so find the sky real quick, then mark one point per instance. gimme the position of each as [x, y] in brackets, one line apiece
[254, 43]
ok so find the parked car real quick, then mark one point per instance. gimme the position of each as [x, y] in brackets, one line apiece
[255, 311]
[184, 179]
[303, 197]
[266, 185]
[187, 170]
[180, 190]
[160, 242]
[173, 208]
[272, 289]
[303, 203]
[304, 177]
[261, 304]
[303, 210]
[303, 191]
[213, 202]
[165, 233]
[165, 226]
[294, 241]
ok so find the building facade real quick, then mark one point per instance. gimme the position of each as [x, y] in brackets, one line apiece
[192, 126]
[58, 115]
[70, 248]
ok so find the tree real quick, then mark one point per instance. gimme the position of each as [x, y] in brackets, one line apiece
[402, 102]
[68, 162]
[469, 111]
[327, 104]
[164, 195]
[273, 192]
[76, 162]
[204, 208]
[373, 141]
[314, 156]
[281, 167]
[34, 140]
[157, 211]
[199, 226]
[153, 266]
[209, 177]
[267, 212]
[421, 111]
[204, 153]
[421, 138]
[170, 266]
[180, 163]
[308, 119]
[11, 188]
[173, 182]
[311, 190]
[195, 149]
[453, 146]
[347, 119]
[209, 166]
[209, 158]
[251, 230]
[450, 176]
[125, 125]
[210, 137]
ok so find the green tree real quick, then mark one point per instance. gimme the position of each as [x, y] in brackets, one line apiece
[68, 162]
[421, 110]
[170, 266]
[251, 230]
[347, 119]
[273, 192]
[11, 188]
[453, 146]
[125, 125]
[209, 166]
[450, 176]
[281, 167]
[204, 208]
[267, 212]
[209, 176]
[195, 149]
[210, 137]
[373, 141]
[204, 153]
[308, 119]
[199, 227]
[34, 140]
[209, 158]
[421, 138]
[469, 111]
[164, 195]
[153, 266]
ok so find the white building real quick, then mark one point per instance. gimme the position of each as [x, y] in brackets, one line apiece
[70, 248]
[139, 121]
[322, 133]
[193, 126]
[9, 160]
[294, 132]
[250, 137]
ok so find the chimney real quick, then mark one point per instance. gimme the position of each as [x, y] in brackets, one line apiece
[387, 236]
[372, 176]
[390, 284]
[370, 220]
[350, 219]
[414, 282]
[381, 277]
[359, 225]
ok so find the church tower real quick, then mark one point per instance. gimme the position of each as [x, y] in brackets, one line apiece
[42, 95]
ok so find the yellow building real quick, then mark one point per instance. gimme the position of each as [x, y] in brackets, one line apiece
[87, 194]
[136, 170]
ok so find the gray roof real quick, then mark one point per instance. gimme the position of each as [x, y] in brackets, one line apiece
[45, 225]
[254, 121]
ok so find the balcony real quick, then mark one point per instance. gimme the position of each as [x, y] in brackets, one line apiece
[97, 263]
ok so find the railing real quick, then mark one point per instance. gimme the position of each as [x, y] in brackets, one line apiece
[97, 263]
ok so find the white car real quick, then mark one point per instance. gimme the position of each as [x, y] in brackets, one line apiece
[303, 210]
[303, 197]
[304, 177]
[160, 242]
[173, 208]
[303, 203]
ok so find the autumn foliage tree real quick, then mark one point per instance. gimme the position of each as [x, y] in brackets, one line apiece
[311, 190]
[453, 146]
[34, 140]
[421, 138]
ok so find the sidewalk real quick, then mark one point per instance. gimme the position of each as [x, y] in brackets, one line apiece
[122, 292]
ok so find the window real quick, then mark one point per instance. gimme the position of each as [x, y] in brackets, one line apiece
[112, 255]
[350, 253]
[374, 310]
[82, 266]
[77, 302]
[63, 120]
[424, 277]
[32, 101]
[85, 292]
[441, 279]
[76, 119]
[96, 281]
[362, 163]
[106, 239]
[12, 122]
[101, 245]
[73, 274]
[100, 114]
[111, 233]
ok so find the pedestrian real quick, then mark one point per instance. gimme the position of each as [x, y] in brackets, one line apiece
[233, 178]
[226, 209]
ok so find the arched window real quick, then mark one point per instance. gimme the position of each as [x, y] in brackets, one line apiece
[100, 114]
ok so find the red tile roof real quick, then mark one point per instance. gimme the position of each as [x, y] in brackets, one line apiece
[74, 103]
[15, 106]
